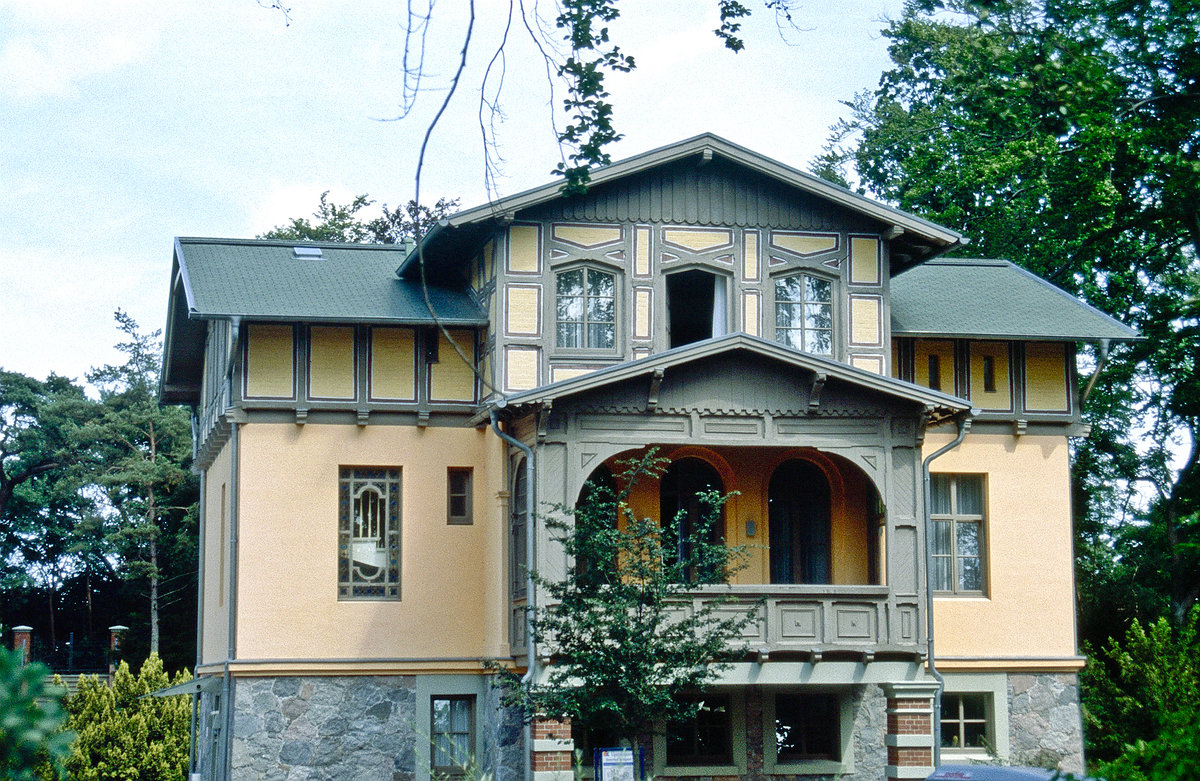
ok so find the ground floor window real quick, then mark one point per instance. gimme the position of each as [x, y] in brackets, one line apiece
[807, 727]
[704, 739]
[965, 721]
[452, 734]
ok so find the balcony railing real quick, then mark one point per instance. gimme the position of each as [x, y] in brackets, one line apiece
[819, 619]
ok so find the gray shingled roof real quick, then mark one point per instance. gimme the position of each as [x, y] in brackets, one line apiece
[263, 280]
[992, 299]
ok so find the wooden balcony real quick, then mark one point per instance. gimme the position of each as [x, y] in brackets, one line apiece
[815, 620]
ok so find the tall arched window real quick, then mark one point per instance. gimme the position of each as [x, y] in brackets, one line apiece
[679, 497]
[799, 521]
[518, 530]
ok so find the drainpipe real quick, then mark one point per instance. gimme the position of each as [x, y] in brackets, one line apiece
[1101, 359]
[235, 323]
[964, 424]
[530, 548]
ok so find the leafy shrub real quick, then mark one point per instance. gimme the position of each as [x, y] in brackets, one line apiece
[30, 721]
[124, 735]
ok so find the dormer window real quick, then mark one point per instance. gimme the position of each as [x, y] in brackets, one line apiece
[585, 309]
[804, 313]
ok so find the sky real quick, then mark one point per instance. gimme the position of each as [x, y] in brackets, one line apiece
[124, 124]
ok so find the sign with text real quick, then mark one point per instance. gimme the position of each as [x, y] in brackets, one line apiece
[615, 764]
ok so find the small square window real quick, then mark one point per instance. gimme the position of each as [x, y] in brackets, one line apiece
[458, 495]
[965, 721]
[452, 734]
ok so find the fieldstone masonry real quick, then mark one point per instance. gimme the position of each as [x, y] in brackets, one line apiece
[1045, 723]
[349, 728]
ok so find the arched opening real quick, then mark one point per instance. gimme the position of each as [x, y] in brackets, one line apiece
[518, 530]
[680, 491]
[799, 520]
[595, 512]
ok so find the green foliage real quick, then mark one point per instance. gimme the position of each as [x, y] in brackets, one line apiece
[342, 223]
[1066, 137]
[30, 721]
[125, 735]
[622, 650]
[1172, 755]
[1142, 688]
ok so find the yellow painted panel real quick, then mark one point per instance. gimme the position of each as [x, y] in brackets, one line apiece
[521, 368]
[944, 350]
[524, 249]
[1001, 398]
[393, 363]
[452, 378]
[641, 252]
[805, 244]
[214, 631]
[641, 313]
[489, 262]
[559, 373]
[270, 358]
[750, 317]
[895, 358]
[588, 235]
[522, 309]
[1046, 376]
[865, 320]
[870, 363]
[453, 602]
[331, 362]
[698, 239]
[864, 261]
[641, 352]
[750, 256]
[1029, 608]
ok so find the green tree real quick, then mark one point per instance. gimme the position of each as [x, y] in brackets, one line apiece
[44, 457]
[623, 649]
[145, 451]
[342, 223]
[1143, 687]
[1065, 136]
[30, 721]
[124, 734]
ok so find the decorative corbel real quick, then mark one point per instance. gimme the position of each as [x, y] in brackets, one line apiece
[656, 378]
[301, 415]
[762, 655]
[543, 420]
[706, 157]
[363, 414]
[926, 416]
[422, 418]
[893, 232]
[814, 394]
[1019, 427]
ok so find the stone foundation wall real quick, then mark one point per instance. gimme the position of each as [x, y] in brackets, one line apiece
[502, 728]
[1044, 721]
[349, 728]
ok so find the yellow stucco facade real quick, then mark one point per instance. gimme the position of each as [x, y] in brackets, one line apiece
[1027, 609]
[452, 598]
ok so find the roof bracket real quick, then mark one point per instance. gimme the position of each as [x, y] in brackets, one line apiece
[543, 420]
[656, 379]
[363, 414]
[301, 415]
[893, 232]
[814, 394]
[706, 157]
[422, 418]
[1019, 427]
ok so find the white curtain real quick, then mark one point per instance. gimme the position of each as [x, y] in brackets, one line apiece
[719, 307]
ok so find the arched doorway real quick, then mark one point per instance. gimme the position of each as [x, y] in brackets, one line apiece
[680, 490]
[799, 521]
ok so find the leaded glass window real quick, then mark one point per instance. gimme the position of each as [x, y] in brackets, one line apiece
[369, 533]
[585, 309]
[957, 512]
[804, 313]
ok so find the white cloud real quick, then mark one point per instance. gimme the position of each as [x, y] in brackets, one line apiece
[51, 47]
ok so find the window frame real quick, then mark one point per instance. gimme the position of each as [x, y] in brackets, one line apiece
[988, 721]
[834, 311]
[737, 737]
[448, 767]
[955, 519]
[844, 713]
[588, 266]
[353, 482]
[466, 517]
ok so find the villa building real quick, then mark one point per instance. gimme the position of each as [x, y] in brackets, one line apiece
[375, 423]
